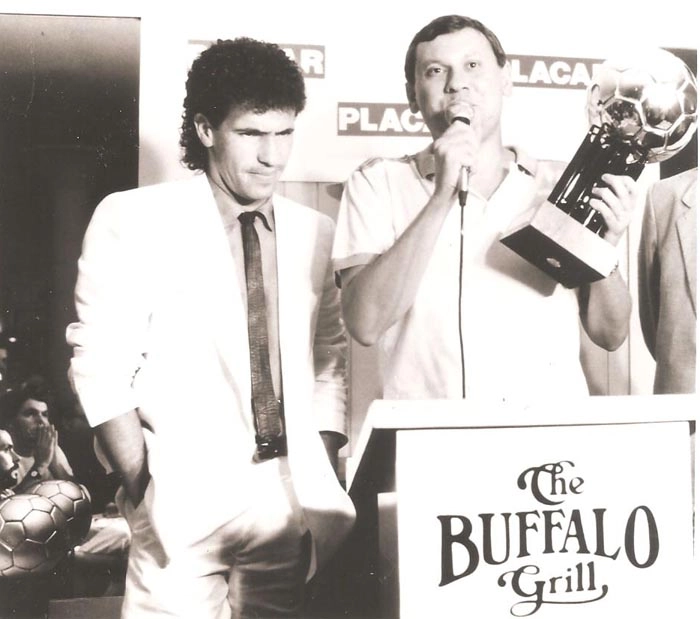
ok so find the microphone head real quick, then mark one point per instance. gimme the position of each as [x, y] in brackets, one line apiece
[459, 111]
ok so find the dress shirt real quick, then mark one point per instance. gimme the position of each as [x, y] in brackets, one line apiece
[268, 250]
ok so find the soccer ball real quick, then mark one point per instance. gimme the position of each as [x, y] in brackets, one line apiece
[73, 500]
[649, 99]
[33, 535]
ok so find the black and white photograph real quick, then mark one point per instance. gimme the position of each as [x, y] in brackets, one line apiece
[362, 311]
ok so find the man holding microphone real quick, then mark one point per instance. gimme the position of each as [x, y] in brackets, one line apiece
[454, 312]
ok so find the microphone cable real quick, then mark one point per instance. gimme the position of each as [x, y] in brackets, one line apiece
[462, 203]
[462, 113]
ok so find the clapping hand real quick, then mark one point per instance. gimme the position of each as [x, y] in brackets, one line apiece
[46, 444]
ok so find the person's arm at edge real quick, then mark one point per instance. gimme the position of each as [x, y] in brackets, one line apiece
[605, 310]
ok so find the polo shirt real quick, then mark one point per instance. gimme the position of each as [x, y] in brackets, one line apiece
[520, 329]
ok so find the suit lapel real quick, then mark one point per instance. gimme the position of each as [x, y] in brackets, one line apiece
[686, 225]
[221, 292]
[293, 281]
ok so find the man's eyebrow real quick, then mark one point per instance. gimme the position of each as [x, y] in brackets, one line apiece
[426, 61]
[251, 131]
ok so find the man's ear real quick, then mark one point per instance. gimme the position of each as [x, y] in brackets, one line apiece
[411, 96]
[204, 130]
[507, 79]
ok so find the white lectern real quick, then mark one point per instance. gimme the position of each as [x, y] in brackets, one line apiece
[563, 510]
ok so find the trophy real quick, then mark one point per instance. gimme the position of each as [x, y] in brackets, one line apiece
[641, 111]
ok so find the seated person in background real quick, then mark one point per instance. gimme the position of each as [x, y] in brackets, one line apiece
[24, 413]
[9, 465]
[668, 280]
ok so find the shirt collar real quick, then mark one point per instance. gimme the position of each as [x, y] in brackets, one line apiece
[230, 212]
[425, 162]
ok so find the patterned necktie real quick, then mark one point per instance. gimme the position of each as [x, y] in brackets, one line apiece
[267, 410]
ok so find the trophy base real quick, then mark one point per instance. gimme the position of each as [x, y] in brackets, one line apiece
[562, 247]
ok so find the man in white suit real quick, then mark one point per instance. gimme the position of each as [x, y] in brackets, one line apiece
[162, 366]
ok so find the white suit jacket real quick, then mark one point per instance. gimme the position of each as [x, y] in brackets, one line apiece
[162, 329]
[668, 280]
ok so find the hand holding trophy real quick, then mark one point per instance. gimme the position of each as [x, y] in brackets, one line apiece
[641, 111]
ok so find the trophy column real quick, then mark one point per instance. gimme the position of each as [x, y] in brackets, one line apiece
[642, 110]
[564, 239]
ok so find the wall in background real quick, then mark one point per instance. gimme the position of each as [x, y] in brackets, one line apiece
[362, 62]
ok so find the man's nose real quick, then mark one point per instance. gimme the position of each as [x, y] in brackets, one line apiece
[457, 80]
[270, 151]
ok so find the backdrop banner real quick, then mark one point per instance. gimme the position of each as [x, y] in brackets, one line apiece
[335, 134]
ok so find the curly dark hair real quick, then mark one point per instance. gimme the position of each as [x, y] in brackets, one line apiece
[253, 75]
[445, 25]
[34, 388]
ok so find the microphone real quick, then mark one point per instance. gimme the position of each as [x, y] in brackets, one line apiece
[463, 185]
[460, 115]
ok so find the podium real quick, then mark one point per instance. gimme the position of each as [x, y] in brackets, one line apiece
[562, 510]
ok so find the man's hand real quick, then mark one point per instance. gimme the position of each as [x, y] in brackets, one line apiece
[455, 149]
[615, 202]
[333, 441]
[122, 442]
[45, 449]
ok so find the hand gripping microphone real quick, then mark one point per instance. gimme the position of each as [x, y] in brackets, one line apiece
[461, 114]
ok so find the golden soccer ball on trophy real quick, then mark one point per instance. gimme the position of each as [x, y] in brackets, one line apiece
[649, 99]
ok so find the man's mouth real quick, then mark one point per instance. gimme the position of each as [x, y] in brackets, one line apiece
[264, 176]
[459, 108]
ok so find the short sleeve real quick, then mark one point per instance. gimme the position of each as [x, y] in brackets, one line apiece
[365, 227]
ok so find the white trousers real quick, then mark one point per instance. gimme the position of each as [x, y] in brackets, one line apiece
[252, 567]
